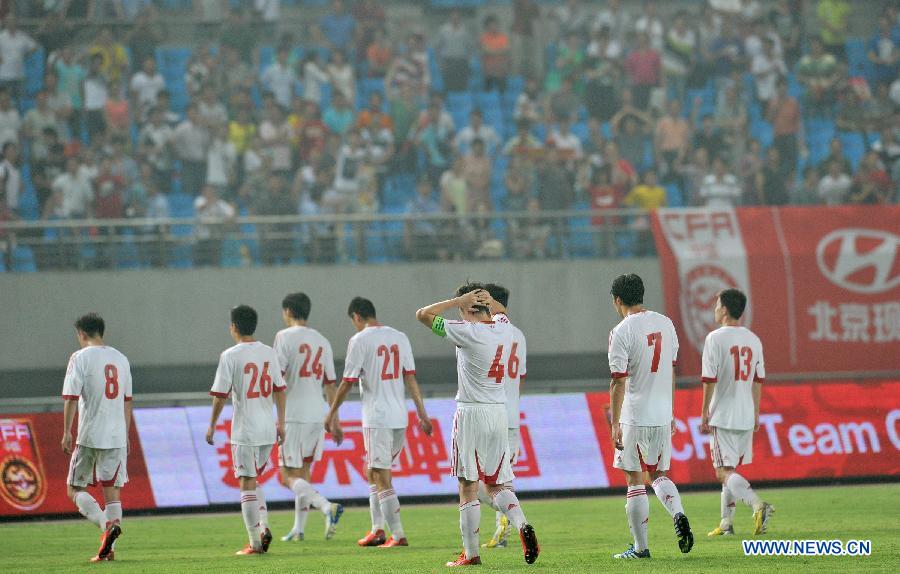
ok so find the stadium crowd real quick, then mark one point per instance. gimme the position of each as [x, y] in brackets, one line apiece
[574, 105]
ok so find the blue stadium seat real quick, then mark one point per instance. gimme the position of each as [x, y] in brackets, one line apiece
[488, 101]
[34, 72]
[854, 147]
[2, 265]
[371, 85]
[858, 59]
[674, 197]
[231, 253]
[127, 254]
[23, 260]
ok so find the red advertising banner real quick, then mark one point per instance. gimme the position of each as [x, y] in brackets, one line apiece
[807, 431]
[33, 468]
[823, 282]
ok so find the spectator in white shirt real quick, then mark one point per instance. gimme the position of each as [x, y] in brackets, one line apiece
[96, 94]
[834, 187]
[568, 144]
[476, 130]
[15, 46]
[649, 23]
[10, 177]
[720, 189]
[191, 140]
[145, 88]
[10, 121]
[343, 78]
[313, 78]
[278, 78]
[767, 68]
[76, 189]
[155, 146]
[211, 212]
[221, 160]
[211, 111]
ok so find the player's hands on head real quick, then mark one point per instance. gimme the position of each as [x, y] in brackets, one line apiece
[66, 442]
[209, 434]
[425, 425]
[617, 436]
[473, 298]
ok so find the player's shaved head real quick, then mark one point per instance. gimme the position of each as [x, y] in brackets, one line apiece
[244, 319]
[470, 286]
[629, 288]
[734, 302]
[498, 292]
[91, 325]
[362, 307]
[297, 304]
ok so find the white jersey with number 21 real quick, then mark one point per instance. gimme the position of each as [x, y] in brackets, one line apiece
[644, 348]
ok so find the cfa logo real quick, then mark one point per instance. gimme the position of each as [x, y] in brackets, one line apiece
[860, 260]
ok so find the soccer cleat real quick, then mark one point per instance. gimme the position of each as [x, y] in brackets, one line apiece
[719, 531]
[292, 536]
[109, 558]
[376, 538]
[463, 561]
[632, 554]
[265, 539]
[500, 535]
[683, 533]
[761, 518]
[530, 546]
[112, 532]
[334, 516]
[393, 542]
[248, 550]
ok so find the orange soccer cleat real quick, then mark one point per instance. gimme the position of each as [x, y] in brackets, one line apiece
[109, 558]
[248, 550]
[376, 538]
[463, 561]
[393, 542]
[266, 539]
[113, 531]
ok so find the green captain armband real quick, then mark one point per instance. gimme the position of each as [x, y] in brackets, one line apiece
[437, 327]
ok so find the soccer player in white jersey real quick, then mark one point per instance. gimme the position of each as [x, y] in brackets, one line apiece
[515, 376]
[733, 373]
[307, 364]
[98, 387]
[643, 349]
[380, 359]
[249, 372]
[484, 355]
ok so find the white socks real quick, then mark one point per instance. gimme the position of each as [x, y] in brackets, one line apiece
[667, 493]
[484, 497]
[469, 526]
[301, 513]
[89, 508]
[727, 508]
[114, 511]
[375, 509]
[741, 490]
[310, 495]
[250, 511]
[507, 502]
[263, 510]
[637, 509]
[390, 510]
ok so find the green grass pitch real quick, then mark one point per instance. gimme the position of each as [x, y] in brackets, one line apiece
[576, 535]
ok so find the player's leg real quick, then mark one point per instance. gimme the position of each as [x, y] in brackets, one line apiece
[655, 444]
[637, 507]
[501, 532]
[301, 509]
[387, 496]
[726, 504]
[81, 475]
[248, 461]
[376, 536]
[111, 470]
[736, 447]
[464, 466]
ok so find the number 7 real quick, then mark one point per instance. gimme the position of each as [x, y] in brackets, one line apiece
[655, 340]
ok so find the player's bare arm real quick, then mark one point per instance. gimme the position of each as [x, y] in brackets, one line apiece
[280, 407]
[427, 315]
[616, 399]
[412, 387]
[218, 403]
[757, 396]
[70, 409]
[332, 421]
[708, 388]
[128, 412]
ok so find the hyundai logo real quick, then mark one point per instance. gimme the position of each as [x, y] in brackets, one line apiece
[860, 260]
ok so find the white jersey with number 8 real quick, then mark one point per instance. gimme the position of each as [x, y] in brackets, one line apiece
[250, 373]
[378, 357]
[99, 378]
[307, 362]
[733, 360]
[644, 348]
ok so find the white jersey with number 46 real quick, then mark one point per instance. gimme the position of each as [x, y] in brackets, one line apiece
[378, 357]
[486, 358]
[99, 378]
[733, 360]
[307, 363]
[250, 373]
[644, 348]
[514, 376]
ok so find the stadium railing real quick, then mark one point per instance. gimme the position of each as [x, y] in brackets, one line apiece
[189, 242]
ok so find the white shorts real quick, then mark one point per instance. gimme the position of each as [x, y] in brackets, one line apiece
[302, 445]
[480, 449]
[383, 446]
[645, 448]
[731, 447]
[250, 461]
[107, 466]
[512, 442]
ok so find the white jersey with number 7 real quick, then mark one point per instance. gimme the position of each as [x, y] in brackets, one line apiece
[250, 373]
[733, 360]
[644, 348]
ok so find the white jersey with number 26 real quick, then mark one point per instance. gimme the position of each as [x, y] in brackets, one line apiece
[99, 378]
[644, 348]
